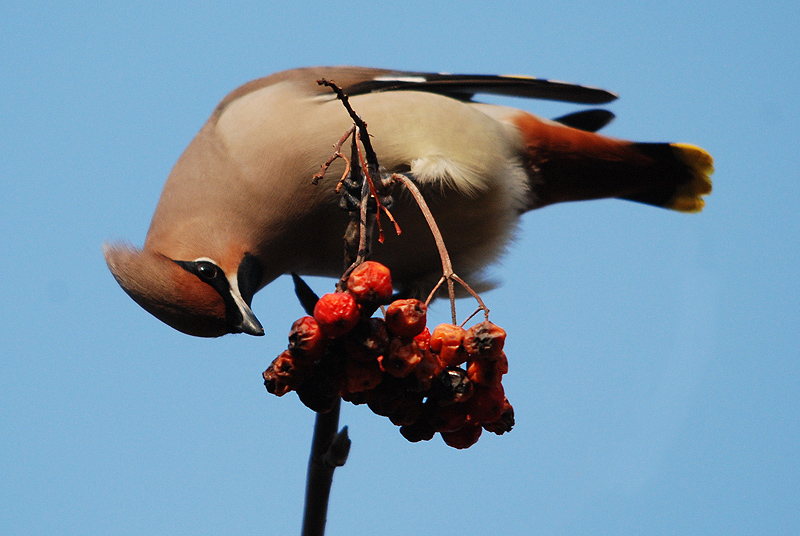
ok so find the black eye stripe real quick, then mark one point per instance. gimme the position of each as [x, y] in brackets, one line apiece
[212, 275]
[208, 272]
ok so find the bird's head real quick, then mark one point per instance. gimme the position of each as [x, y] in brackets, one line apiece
[202, 296]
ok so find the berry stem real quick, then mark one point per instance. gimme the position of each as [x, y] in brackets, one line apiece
[448, 274]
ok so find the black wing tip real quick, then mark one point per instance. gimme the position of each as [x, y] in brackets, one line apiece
[587, 120]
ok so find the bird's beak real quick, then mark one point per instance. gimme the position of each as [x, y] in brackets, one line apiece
[244, 284]
[249, 323]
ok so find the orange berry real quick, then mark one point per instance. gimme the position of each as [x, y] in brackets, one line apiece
[486, 403]
[306, 340]
[464, 437]
[406, 318]
[422, 377]
[487, 371]
[447, 341]
[370, 282]
[484, 340]
[401, 357]
[336, 313]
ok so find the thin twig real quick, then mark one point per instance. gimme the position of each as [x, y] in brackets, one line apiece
[337, 153]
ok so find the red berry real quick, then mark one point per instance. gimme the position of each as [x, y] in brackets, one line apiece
[484, 340]
[486, 403]
[401, 357]
[336, 313]
[423, 340]
[406, 318]
[464, 437]
[447, 341]
[306, 340]
[370, 282]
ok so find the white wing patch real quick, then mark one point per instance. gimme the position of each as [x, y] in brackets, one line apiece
[407, 79]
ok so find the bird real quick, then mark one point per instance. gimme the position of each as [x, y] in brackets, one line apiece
[239, 209]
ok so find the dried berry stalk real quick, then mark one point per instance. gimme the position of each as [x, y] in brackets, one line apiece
[448, 275]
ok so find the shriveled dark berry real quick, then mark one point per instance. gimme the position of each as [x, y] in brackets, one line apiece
[484, 340]
[360, 376]
[505, 423]
[409, 410]
[367, 340]
[306, 340]
[418, 431]
[386, 398]
[284, 374]
[312, 396]
[451, 386]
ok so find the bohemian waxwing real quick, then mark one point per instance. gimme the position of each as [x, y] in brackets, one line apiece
[239, 209]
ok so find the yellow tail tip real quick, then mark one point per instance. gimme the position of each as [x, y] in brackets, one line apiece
[688, 198]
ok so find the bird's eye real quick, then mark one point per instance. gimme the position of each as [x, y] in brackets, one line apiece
[207, 270]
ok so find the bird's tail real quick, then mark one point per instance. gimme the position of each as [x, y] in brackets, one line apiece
[567, 164]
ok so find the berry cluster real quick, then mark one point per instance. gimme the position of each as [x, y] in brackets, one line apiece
[446, 381]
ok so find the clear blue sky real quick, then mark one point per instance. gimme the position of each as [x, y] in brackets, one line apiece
[654, 355]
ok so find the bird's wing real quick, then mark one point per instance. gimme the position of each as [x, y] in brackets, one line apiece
[355, 81]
